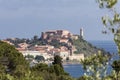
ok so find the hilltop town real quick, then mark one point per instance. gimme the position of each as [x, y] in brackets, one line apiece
[69, 46]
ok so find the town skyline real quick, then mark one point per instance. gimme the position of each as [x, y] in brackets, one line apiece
[25, 19]
[55, 42]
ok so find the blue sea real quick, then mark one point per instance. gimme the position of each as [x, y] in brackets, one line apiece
[75, 70]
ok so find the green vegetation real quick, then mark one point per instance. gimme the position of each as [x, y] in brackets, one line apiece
[13, 66]
[58, 61]
[39, 58]
[55, 43]
[82, 46]
[116, 67]
[29, 56]
[112, 23]
[95, 66]
[85, 47]
[33, 41]
[12, 62]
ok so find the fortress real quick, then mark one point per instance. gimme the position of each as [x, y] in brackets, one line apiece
[57, 34]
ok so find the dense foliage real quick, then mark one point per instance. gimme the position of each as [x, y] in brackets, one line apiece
[13, 66]
[12, 61]
[58, 61]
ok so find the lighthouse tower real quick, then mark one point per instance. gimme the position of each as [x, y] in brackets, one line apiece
[81, 33]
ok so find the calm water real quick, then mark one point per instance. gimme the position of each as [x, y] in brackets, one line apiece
[75, 70]
[109, 46]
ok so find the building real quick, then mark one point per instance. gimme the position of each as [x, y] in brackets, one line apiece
[77, 57]
[55, 34]
[81, 33]
[63, 54]
[37, 53]
[75, 37]
[64, 40]
[8, 42]
[23, 45]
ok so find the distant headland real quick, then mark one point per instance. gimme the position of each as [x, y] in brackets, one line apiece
[71, 47]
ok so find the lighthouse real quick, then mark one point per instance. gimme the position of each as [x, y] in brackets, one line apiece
[81, 33]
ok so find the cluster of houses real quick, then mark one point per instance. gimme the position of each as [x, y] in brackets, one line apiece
[49, 51]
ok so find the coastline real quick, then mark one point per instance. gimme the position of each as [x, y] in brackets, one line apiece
[70, 62]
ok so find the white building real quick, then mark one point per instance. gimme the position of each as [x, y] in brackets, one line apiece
[63, 54]
[81, 33]
[77, 57]
[35, 53]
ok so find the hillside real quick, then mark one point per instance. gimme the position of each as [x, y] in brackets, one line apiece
[56, 41]
[85, 47]
[81, 45]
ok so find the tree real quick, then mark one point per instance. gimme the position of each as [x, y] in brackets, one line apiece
[112, 23]
[107, 3]
[35, 38]
[55, 43]
[13, 66]
[39, 58]
[58, 60]
[116, 67]
[11, 60]
[29, 56]
[95, 67]
[58, 68]
[40, 67]
[52, 72]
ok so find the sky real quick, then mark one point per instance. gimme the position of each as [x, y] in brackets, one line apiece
[26, 18]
